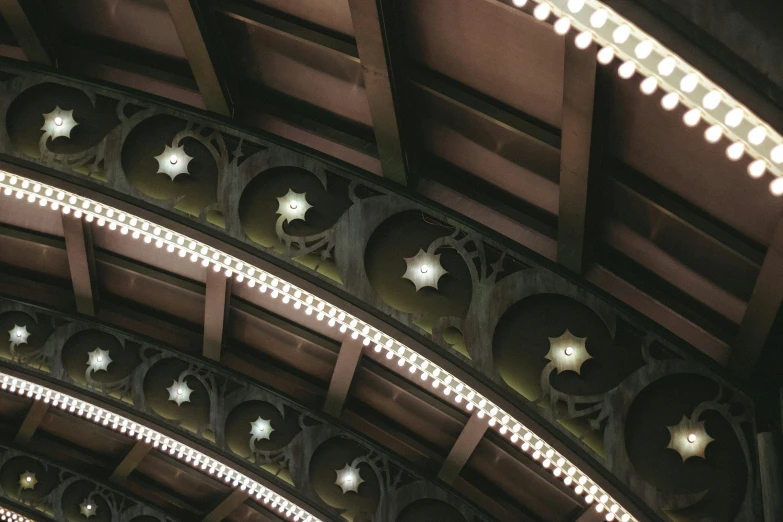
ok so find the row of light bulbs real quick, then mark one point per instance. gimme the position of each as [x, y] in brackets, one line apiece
[450, 386]
[10, 516]
[158, 440]
[683, 84]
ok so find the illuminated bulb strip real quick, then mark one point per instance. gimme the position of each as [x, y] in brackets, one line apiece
[642, 54]
[164, 443]
[418, 366]
[12, 516]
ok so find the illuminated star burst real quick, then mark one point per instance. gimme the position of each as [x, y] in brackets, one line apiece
[179, 392]
[88, 508]
[348, 479]
[689, 438]
[293, 206]
[568, 352]
[59, 123]
[424, 269]
[173, 161]
[19, 335]
[99, 359]
[27, 480]
[261, 429]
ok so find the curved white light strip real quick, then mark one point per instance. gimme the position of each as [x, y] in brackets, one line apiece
[463, 394]
[11, 516]
[182, 451]
[591, 20]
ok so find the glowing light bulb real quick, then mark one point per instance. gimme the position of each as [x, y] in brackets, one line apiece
[293, 205]
[29, 478]
[424, 269]
[670, 101]
[644, 49]
[734, 117]
[649, 85]
[735, 151]
[179, 391]
[569, 350]
[777, 154]
[776, 187]
[689, 82]
[711, 100]
[691, 438]
[621, 34]
[692, 117]
[575, 5]
[89, 507]
[605, 55]
[666, 66]
[713, 134]
[757, 135]
[519, 3]
[562, 26]
[598, 18]
[100, 358]
[173, 159]
[757, 168]
[583, 40]
[542, 11]
[626, 70]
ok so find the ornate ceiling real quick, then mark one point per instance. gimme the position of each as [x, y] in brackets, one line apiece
[209, 321]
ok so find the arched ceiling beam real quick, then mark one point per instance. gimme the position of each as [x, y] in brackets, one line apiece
[221, 512]
[463, 448]
[378, 39]
[342, 376]
[216, 303]
[31, 422]
[201, 63]
[81, 262]
[577, 123]
[130, 462]
[25, 32]
[762, 308]
[452, 381]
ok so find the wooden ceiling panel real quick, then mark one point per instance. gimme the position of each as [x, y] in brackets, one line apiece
[331, 14]
[141, 23]
[492, 48]
[298, 69]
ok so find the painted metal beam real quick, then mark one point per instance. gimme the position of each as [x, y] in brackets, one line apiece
[376, 32]
[347, 362]
[81, 262]
[25, 33]
[577, 124]
[201, 63]
[218, 297]
[466, 443]
[130, 462]
[31, 422]
[762, 308]
[229, 504]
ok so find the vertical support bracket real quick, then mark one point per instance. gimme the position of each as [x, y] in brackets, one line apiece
[466, 443]
[218, 297]
[347, 361]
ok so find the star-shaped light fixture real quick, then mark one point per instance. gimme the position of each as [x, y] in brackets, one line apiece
[348, 479]
[568, 352]
[179, 392]
[173, 161]
[19, 335]
[424, 269]
[27, 480]
[88, 508]
[98, 360]
[689, 438]
[293, 206]
[261, 429]
[59, 123]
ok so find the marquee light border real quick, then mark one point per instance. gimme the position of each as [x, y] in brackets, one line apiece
[620, 39]
[9, 515]
[451, 387]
